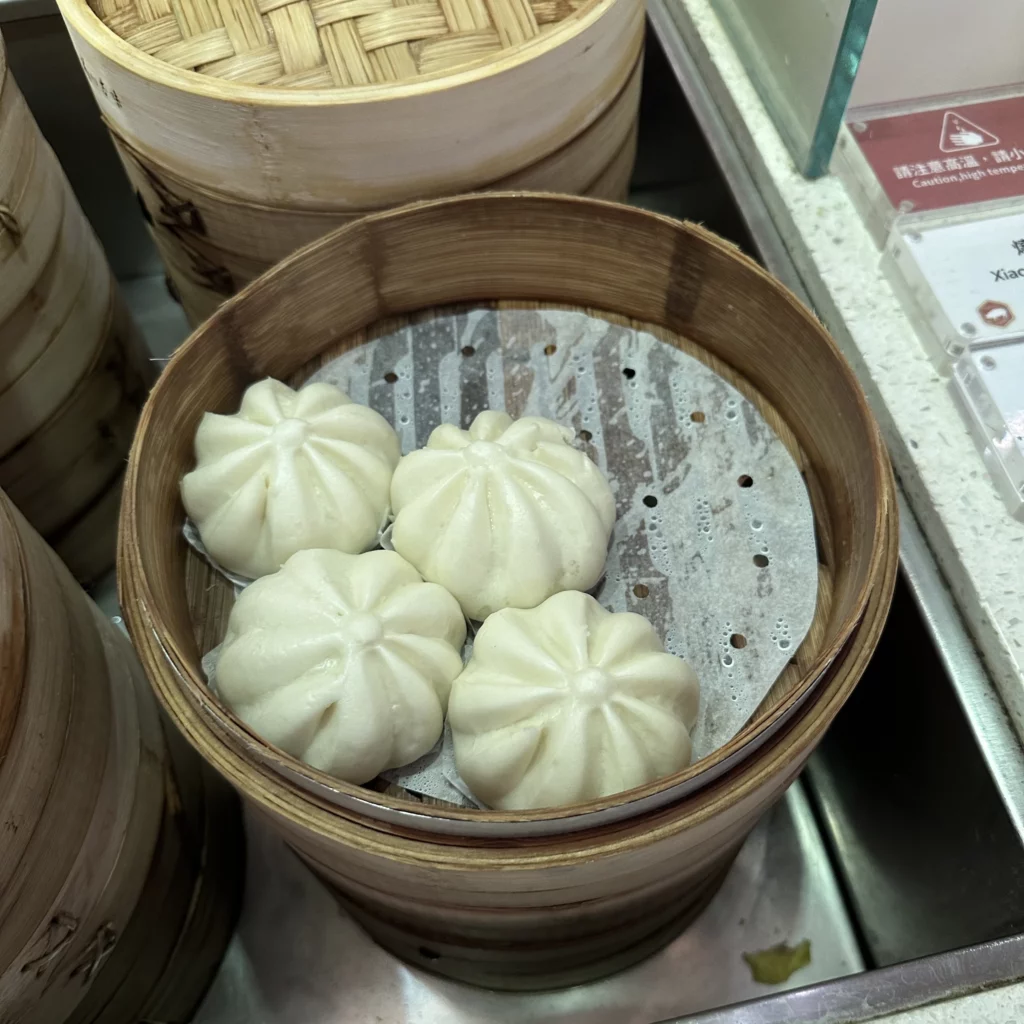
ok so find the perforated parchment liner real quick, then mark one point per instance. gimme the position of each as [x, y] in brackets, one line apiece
[714, 541]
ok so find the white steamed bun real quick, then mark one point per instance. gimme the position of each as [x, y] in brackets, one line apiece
[344, 661]
[290, 470]
[569, 702]
[503, 514]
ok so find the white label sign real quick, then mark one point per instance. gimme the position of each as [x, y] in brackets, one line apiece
[975, 271]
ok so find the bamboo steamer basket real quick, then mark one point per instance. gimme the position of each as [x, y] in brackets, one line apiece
[178, 208]
[357, 105]
[541, 898]
[252, 127]
[613, 182]
[38, 393]
[31, 203]
[91, 793]
[58, 472]
[73, 375]
[84, 545]
[76, 452]
[213, 245]
[48, 305]
[202, 274]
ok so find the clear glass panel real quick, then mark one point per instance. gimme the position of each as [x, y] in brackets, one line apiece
[940, 48]
[803, 56]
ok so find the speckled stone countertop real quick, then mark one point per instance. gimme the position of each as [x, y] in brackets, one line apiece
[978, 545]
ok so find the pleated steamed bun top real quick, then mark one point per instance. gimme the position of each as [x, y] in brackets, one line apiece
[504, 514]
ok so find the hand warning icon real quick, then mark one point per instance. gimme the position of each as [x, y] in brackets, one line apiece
[958, 134]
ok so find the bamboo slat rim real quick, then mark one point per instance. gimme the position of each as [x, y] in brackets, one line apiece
[145, 618]
[83, 20]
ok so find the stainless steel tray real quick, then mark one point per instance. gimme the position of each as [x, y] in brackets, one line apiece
[298, 959]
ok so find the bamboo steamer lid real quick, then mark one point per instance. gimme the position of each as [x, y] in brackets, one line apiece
[524, 899]
[352, 104]
[309, 44]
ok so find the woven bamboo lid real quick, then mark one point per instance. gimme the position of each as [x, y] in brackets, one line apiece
[315, 44]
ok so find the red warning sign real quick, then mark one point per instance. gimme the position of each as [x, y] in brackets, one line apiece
[933, 159]
[959, 134]
[997, 314]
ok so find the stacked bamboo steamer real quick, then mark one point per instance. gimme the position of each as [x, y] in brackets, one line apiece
[542, 898]
[119, 867]
[251, 127]
[72, 377]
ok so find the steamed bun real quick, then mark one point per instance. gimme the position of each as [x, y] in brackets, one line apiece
[504, 514]
[569, 702]
[290, 470]
[343, 661]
